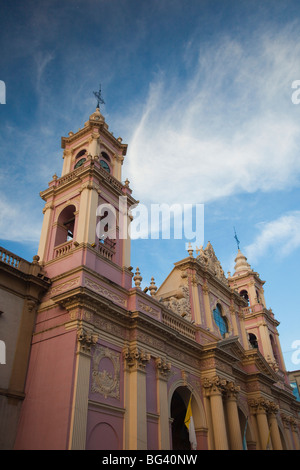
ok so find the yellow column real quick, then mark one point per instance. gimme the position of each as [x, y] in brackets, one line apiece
[265, 339]
[287, 431]
[241, 317]
[77, 437]
[262, 423]
[196, 303]
[214, 388]
[295, 434]
[135, 399]
[210, 434]
[86, 228]
[45, 233]
[234, 428]
[208, 313]
[162, 373]
[274, 430]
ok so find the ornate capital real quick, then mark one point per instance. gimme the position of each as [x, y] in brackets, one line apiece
[205, 289]
[273, 408]
[214, 385]
[232, 390]
[135, 358]
[163, 368]
[86, 339]
[259, 405]
[31, 305]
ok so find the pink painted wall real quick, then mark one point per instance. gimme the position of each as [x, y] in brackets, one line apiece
[104, 430]
[45, 414]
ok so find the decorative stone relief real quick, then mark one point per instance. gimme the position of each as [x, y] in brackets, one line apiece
[181, 303]
[65, 286]
[105, 292]
[147, 308]
[207, 258]
[105, 379]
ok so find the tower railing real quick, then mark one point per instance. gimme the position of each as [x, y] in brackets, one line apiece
[63, 249]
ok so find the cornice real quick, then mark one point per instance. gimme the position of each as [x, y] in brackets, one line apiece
[254, 274]
[102, 126]
[90, 170]
[263, 312]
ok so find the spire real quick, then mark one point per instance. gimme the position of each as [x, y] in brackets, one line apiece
[241, 263]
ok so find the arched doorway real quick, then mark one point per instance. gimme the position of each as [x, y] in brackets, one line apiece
[180, 435]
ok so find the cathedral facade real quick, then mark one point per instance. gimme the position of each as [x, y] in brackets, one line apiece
[111, 366]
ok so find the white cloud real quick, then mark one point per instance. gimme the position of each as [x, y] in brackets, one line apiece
[230, 128]
[18, 222]
[281, 235]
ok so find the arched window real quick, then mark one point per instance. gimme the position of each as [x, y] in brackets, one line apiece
[105, 156]
[80, 161]
[220, 320]
[65, 225]
[105, 161]
[80, 154]
[105, 165]
[253, 341]
[245, 296]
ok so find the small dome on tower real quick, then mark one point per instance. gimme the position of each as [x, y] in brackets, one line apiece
[241, 264]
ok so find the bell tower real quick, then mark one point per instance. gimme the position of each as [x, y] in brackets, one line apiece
[86, 208]
[260, 323]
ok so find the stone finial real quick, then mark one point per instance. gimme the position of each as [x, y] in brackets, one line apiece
[137, 278]
[127, 183]
[152, 287]
[190, 250]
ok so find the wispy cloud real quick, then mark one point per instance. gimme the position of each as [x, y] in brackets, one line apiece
[229, 128]
[281, 236]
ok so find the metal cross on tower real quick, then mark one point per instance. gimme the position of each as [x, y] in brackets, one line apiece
[236, 238]
[99, 97]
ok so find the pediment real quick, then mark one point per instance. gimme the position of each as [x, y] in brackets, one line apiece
[208, 259]
[250, 361]
[255, 363]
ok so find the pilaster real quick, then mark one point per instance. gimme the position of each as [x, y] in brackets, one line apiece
[136, 360]
[85, 340]
[163, 369]
[86, 230]
[208, 315]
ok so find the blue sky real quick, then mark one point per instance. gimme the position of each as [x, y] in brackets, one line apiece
[201, 91]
